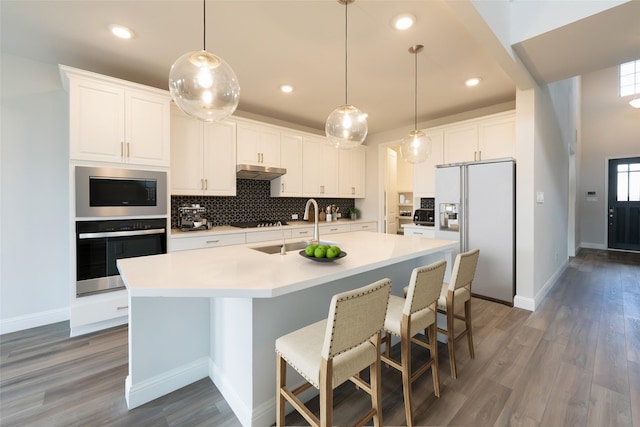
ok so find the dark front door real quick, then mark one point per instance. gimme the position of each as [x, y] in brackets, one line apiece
[624, 204]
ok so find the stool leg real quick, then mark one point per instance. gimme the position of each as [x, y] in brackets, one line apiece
[467, 319]
[451, 339]
[433, 349]
[281, 374]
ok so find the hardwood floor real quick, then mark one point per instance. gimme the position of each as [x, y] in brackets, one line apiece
[573, 362]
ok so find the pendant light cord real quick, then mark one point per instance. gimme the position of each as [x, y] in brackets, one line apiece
[415, 93]
[204, 25]
[346, 56]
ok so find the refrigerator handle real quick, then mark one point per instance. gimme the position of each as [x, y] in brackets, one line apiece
[464, 209]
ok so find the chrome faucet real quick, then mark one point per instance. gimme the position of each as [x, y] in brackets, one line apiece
[316, 232]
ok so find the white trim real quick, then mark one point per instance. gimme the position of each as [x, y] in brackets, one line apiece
[152, 388]
[593, 245]
[524, 303]
[227, 388]
[33, 320]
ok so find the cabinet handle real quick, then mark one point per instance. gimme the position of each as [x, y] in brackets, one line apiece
[206, 184]
[282, 186]
[417, 233]
[479, 155]
[322, 189]
[365, 226]
[303, 232]
[333, 229]
[128, 150]
[122, 307]
[353, 190]
[212, 241]
[202, 183]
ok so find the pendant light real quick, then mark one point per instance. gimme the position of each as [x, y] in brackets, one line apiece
[202, 84]
[415, 147]
[346, 126]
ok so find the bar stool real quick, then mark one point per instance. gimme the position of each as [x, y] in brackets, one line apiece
[453, 294]
[406, 317]
[332, 351]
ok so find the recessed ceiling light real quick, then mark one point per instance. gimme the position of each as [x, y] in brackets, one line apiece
[286, 88]
[121, 31]
[472, 82]
[403, 21]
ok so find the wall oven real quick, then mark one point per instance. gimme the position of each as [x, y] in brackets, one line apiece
[100, 243]
[102, 192]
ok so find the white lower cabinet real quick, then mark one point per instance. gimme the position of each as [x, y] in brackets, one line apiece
[420, 231]
[364, 226]
[334, 228]
[95, 312]
[202, 242]
[264, 236]
[306, 232]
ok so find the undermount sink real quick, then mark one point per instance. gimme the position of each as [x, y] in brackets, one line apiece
[291, 246]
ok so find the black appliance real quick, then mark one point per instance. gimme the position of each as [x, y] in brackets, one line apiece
[102, 192]
[424, 217]
[258, 224]
[100, 243]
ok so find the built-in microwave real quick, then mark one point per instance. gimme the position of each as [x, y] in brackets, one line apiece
[106, 192]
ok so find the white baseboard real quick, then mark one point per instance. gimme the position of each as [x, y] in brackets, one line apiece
[531, 303]
[33, 320]
[227, 388]
[593, 246]
[98, 326]
[152, 388]
[524, 303]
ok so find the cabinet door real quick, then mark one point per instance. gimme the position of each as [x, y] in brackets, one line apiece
[247, 149]
[352, 170]
[186, 155]
[147, 128]
[320, 168]
[289, 184]
[460, 143]
[496, 138]
[96, 121]
[270, 147]
[258, 145]
[424, 177]
[220, 158]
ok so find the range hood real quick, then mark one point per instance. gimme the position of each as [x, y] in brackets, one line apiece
[265, 173]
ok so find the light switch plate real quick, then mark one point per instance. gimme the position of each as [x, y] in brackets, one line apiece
[540, 197]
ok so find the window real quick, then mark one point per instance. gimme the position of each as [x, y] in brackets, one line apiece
[629, 182]
[630, 78]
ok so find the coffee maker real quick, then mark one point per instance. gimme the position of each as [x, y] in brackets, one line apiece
[191, 218]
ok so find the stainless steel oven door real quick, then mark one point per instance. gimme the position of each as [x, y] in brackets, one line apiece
[97, 254]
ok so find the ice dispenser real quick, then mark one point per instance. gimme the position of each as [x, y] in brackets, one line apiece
[449, 217]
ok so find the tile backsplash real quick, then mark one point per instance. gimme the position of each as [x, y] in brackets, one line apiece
[252, 202]
[427, 203]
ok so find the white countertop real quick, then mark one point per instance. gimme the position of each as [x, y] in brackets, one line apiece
[227, 229]
[239, 271]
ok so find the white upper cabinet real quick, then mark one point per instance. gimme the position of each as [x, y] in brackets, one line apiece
[485, 138]
[203, 156]
[115, 121]
[257, 144]
[352, 163]
[497, 137]
[460, 143]
[289, 184]
[320, 165]
[424, 175]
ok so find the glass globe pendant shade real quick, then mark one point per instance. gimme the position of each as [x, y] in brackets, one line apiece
[346, 127]
[415, 147]
[204, 86]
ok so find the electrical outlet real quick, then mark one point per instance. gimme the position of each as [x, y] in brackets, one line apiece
[294, 216]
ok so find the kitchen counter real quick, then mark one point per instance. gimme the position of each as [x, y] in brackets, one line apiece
[216, 312]
[227, 229]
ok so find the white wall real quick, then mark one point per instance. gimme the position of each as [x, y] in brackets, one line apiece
[34, 276]
[610, 129]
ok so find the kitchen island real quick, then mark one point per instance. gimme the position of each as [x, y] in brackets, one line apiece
[217, 312]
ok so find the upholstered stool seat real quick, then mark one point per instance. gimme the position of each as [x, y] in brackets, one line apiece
[332, 351]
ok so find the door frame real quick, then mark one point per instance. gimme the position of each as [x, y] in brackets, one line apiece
[382, 180]
[605, 207]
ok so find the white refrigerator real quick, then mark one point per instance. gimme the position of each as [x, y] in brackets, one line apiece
[475, 204]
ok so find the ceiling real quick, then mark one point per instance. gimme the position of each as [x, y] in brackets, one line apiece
[301, 43]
